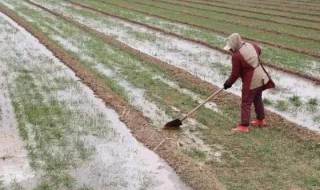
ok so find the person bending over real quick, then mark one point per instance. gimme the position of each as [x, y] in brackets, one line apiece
[255, 79]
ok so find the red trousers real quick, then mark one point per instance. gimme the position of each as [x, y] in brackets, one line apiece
[254, 97]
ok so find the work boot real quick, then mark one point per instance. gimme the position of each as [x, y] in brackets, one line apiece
[259, 123]
[241, 129]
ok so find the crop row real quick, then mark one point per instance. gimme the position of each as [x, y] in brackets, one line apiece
[176, 34]
[281, 41]
[262, 12]
[305, 5]
[270, 56]
[264, 7]
[250, 24]
[225, 13]
[139, 124]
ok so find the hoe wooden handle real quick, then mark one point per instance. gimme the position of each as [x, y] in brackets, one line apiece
[196, 108]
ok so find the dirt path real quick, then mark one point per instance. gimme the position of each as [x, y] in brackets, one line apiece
[184, 166]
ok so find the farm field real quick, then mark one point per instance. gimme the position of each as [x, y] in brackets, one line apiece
[87, 85]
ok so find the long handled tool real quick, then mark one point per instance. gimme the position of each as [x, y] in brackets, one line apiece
[174, 124]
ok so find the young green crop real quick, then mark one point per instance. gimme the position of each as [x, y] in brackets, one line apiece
[292, 60]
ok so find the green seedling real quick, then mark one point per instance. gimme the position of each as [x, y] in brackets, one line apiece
[196, 153]
[313, 101]
[295, 100]
[311, 182]
[267, 101]
[282, 105]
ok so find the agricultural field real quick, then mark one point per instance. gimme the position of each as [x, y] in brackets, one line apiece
[87, 85]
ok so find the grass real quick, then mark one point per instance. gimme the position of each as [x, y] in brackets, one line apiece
[105, 21]
[295, 100]
[290, 59]
[131, 69]
[264, 6]
[254, 15]
[317, 118]
[196, 154]
[303, 4]
[313, 101]
[267, 101]
[282, 105]
[312, 182]
[262, 11]
[142, 37]
[258, 35]
[51, 127]
[16, 186]
[47, 122]
[251, 162]
[85, 187]
[217, 13]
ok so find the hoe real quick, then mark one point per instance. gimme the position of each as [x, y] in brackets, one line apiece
[175, 124]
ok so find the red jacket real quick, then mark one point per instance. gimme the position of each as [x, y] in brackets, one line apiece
[240, 68]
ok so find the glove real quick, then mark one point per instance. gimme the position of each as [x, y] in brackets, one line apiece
[227, 85]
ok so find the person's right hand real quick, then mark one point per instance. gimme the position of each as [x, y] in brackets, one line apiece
[227, 85]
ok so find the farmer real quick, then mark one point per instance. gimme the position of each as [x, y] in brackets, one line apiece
[245, 64]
